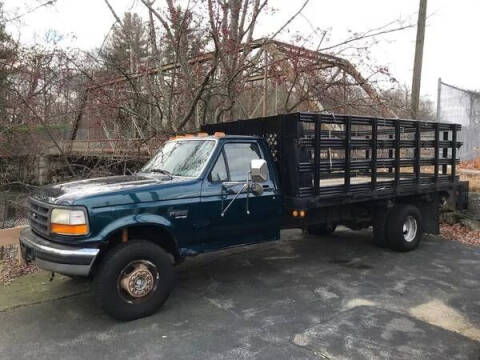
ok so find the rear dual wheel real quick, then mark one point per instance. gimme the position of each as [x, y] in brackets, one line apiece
[401, 229]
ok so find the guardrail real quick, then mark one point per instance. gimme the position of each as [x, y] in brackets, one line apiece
[113, 147]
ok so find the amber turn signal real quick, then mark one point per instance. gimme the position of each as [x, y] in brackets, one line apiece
[299, 213]
[62, 229]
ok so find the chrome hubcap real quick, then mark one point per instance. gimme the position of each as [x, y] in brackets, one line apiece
[410, 229]
[138, 279]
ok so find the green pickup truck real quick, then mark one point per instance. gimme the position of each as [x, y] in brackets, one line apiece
[239, 183]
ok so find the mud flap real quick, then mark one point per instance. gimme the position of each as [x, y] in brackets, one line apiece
[430, 211]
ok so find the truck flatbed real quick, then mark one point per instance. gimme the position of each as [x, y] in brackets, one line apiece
[326, 159]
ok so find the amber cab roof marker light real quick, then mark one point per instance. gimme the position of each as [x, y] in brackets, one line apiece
[219, 134]
[202, 134]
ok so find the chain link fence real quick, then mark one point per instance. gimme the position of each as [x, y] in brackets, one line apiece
[13, 213]
[461, 106]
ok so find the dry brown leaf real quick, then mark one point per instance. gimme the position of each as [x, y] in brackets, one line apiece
[460, 233]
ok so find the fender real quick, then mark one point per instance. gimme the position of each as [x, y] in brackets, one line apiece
[136, 220]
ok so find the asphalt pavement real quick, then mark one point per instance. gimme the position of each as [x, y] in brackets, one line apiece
[303, 297]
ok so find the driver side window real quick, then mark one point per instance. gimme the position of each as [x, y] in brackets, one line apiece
[233, 162]
[239, 156]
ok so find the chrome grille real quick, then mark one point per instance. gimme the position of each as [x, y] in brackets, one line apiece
[38, 215]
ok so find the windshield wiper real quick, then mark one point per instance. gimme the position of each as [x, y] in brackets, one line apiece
[161, 171]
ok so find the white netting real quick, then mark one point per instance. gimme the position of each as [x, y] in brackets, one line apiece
[462, 107]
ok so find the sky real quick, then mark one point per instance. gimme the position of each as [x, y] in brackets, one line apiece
[451, 41]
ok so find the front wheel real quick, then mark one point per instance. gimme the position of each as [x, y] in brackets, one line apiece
[405, 228]
[134, 280]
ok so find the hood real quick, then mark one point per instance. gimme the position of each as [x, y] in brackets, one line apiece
[69, 193]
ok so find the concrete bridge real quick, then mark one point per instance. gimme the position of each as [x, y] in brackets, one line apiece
[48, 164]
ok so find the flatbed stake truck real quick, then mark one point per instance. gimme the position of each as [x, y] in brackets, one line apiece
[239, 183]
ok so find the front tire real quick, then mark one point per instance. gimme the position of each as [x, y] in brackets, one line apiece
[134, 280]
[405, 228]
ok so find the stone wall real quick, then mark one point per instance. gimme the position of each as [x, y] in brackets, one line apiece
[10, 252]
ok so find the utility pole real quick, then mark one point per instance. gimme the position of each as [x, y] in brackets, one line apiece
[417, 65]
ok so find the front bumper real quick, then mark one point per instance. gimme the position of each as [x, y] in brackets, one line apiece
[54, 257]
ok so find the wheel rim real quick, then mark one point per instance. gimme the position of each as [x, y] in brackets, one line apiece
[138, 281]
[410, 228]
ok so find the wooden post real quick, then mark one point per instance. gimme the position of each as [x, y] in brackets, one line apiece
[417, 65]
[265, 74]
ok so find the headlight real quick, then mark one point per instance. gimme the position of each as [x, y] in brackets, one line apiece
[68, 222]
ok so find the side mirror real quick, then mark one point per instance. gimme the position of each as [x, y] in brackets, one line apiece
[258, 170]
[258, 173]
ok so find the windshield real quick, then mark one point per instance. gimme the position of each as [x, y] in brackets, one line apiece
[181, 158]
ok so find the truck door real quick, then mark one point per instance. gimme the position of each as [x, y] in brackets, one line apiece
[236, 226]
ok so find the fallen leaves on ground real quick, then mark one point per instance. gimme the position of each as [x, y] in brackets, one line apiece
[11, 269]
[460, 233]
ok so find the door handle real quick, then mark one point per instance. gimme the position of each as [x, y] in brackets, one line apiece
[230, 191]
[232, 188]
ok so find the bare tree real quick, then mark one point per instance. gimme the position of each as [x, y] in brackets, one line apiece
[181, 67]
